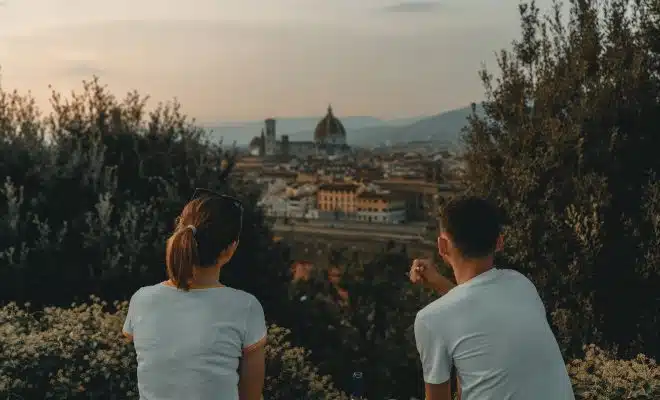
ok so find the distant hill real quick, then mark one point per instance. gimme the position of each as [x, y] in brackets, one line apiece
[361, 131]
[443, 127]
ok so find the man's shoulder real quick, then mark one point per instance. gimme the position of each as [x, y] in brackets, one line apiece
[512, 273]
[439, 307]
[457, 297]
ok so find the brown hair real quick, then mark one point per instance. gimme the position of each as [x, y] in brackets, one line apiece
[205, 229]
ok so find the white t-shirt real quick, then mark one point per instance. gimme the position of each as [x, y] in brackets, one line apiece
[494, 329]
[189, 344]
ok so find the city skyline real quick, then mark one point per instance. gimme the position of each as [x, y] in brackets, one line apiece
[245, 60]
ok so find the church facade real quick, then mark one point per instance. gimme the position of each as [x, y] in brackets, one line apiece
[329, 138]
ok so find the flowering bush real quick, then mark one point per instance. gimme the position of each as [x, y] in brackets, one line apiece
[599, 376]
[79, 352]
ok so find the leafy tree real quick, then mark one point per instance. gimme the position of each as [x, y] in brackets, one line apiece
[372, 332]
[319, 324]
[568, 146]
[92, 190]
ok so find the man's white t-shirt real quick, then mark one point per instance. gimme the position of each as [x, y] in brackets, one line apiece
[494, 329]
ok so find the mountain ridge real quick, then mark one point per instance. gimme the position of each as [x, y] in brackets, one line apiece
[363, 131]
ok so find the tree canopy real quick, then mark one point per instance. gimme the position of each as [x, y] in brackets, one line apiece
[568, 147]
[91, 193]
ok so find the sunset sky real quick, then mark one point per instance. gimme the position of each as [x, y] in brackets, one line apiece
[248, 59]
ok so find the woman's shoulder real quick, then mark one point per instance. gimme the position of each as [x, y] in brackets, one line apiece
[146, 290]
[241, 294]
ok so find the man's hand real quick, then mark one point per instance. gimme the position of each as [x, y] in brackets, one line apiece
[426, 273]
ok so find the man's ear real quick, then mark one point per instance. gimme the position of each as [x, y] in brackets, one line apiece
[500, 243]
[443, 245]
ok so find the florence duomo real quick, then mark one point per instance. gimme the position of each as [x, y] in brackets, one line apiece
[329, 138]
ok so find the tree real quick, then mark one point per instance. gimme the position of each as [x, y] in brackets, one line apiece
[568, 146]
[372, 331]
[91, 193]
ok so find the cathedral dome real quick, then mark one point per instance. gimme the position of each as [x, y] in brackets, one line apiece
[329, 127]
[256, 143]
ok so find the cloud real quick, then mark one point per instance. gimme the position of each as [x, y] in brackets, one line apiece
[415, 7]
[83, 69]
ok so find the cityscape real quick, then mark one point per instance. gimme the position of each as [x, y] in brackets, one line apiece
[317, 181]
[325, 188]
[307, 200]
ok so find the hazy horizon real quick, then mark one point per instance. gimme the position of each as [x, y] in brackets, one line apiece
[230, 60]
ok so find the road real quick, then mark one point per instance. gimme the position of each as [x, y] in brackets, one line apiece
[409, 228]
[312, 242]
[384, 233]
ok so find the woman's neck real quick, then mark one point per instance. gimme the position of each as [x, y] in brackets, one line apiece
[196, 284]
[205, 278]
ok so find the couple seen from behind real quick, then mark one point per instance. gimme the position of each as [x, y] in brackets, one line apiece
[196, 339]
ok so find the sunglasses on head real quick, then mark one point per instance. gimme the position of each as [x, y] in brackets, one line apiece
[200, 193]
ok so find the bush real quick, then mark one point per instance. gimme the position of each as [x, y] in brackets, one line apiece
[600, 376]
[378, 316]
[97, 184]
[80, 353]
[567, 146]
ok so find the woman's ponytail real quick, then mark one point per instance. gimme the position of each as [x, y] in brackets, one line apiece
[181, 256]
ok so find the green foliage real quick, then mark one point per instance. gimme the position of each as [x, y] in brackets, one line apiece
[90, 193]
[568, 146]
[600, 376]
[79, 353]
[373, 333]
[87, 203]
[290, 375]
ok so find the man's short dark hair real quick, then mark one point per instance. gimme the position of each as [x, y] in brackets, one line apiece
[474, 225]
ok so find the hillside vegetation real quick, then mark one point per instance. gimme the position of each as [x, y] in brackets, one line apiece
[566, 145]
[77, 353]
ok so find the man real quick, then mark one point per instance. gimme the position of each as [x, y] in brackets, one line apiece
[492, 327]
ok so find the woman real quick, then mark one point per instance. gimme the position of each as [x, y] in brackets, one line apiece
[194, 337]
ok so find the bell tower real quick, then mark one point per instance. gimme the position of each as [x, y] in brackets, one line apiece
[271, 139]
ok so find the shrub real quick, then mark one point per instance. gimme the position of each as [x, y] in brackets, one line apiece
[600, 376]
[567, 147]
[97, 183]
[79, 352]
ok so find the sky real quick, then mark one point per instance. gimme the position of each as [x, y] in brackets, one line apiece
[231, 60]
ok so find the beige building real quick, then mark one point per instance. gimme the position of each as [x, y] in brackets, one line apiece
[337, 198]
[380, 207]
[351, 201]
